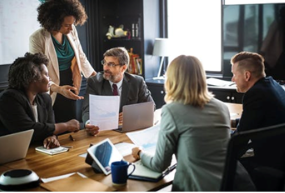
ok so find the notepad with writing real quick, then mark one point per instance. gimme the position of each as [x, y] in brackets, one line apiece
[52, 151]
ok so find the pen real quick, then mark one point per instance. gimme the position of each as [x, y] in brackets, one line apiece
[169, 169]
[71, 138]
[67, 146]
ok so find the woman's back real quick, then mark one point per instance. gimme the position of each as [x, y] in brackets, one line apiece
[194, 126]
[202, 137]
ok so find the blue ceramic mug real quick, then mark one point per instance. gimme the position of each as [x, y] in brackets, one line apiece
[119, 170]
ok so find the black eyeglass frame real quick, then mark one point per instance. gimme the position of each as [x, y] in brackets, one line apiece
[110, 64]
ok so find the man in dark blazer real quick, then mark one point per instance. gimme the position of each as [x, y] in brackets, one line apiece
[263, 105]
[131, 88]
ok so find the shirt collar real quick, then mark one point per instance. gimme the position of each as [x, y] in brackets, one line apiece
[119, 84]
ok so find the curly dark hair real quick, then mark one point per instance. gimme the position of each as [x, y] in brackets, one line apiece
[26, 69]
[51, 14]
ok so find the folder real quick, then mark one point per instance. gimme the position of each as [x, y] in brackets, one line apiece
[76, 183]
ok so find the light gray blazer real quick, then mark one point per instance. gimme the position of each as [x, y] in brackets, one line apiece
[198, 137]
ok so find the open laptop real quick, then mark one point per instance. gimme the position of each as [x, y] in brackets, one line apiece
[15, 146]
[137, 116]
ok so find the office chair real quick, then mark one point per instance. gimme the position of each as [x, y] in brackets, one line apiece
[265, 178]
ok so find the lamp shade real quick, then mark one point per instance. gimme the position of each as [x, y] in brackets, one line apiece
[161, 47]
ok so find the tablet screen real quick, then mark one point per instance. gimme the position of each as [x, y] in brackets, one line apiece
[104, 153]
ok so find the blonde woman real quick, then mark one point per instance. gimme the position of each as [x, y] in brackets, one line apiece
[195, 127]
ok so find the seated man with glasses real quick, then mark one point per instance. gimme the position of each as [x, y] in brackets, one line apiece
[114, 80]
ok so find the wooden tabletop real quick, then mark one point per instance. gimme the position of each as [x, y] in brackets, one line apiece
[235, 109]
[46, 166]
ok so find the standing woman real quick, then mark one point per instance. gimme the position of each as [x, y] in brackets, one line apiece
[195, 127]
[58, 40]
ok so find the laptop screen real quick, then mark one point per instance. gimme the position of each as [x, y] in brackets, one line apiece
[138, 116]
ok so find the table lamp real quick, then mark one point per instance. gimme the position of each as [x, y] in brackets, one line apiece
[161, 48]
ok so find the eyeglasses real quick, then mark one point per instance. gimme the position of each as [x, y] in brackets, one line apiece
[110, 64]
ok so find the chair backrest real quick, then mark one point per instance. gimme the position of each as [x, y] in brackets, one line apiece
[236, 146]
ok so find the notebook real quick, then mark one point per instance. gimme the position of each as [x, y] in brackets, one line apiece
[101, 155]
[52, 151]
[137, 116]
[15, 146]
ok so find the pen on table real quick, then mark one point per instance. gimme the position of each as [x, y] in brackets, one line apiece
[71, 138]
[67, 146]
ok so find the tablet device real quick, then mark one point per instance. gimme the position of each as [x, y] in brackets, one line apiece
[103, 154]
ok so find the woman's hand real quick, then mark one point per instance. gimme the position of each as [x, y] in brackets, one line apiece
[51, 142]
[93, 73]
[66, 91]
[136, 153]
[92, 129]
[73, 125]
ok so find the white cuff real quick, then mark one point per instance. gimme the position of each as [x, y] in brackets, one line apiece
[87, 122]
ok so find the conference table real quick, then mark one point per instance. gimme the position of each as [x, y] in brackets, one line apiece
[47, 166]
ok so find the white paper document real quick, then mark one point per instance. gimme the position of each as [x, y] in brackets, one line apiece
[46, 180]
[219, 82]
[104, 111]
[146, 138]
[125, 148]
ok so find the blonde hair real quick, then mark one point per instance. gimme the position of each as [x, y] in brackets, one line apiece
[186, 82]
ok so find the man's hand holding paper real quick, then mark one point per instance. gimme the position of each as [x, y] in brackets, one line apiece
[92, 129]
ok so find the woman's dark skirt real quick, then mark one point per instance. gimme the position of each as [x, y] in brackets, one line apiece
[64, 108]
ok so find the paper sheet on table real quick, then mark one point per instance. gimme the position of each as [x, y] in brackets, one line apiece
[46, 180]
[125, 148]
[146, 138]
[234, 115]
[104, 111]
[218, 82]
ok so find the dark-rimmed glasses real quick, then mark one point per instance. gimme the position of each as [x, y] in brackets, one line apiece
[110, 64]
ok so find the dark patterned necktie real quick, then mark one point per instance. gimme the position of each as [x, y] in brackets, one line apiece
[115, 90]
